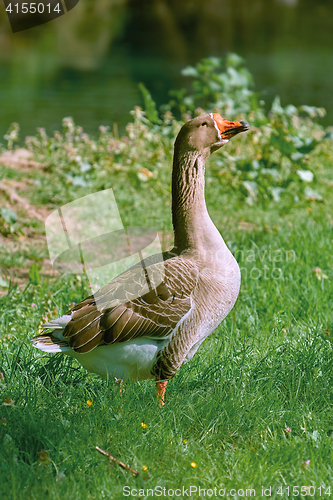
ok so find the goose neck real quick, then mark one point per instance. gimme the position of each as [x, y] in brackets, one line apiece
[193, 228]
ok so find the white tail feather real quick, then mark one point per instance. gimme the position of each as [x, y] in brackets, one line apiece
[51, 343]
[57, 324]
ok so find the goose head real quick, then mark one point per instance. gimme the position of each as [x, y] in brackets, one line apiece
[207, 133]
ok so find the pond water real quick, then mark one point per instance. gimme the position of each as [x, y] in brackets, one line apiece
[64, 68]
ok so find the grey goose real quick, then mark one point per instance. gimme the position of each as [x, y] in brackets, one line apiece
[133, 334]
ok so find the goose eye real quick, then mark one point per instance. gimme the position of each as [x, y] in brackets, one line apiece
[204, 124]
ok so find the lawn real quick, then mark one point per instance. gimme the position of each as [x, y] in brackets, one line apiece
[251, 414]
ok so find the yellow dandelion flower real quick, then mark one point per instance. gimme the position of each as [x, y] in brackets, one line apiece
[144, 426]
[193, 464]
[89, 403]
[184, 441]
[144, 468]
[8, 402]
[43, 457]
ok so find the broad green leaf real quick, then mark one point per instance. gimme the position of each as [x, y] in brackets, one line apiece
[276, 193]
[305, 175]
[236, 79]
[297, 141]
[3, 283]
[291, 110]
[234, 60]
[214, 86]
[85, 166]
[271, 171]
[276, 106]
[296, 156]
[190, 71]
[34, 274]
[252, 187]
[150, 105]
[308, 146]
[328, 135]
[8, 215]
[313, 111]
[214, 61]
[283, 143]
[312, 194]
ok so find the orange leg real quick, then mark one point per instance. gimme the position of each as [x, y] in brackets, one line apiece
[161, 386]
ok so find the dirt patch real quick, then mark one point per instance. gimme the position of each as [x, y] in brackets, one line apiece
[20, 159]
[32, 211]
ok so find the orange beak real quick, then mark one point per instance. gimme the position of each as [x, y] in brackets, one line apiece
[227, 128]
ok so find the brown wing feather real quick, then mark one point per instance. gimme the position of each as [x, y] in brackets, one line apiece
[114, 315]
[89, 346]
[111, 317]
[81, 319]
[129, 332]
[86, 335]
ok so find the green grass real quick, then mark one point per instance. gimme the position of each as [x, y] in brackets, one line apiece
[254, 408]
[266, 368]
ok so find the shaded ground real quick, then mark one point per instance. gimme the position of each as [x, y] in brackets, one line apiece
[24, 239]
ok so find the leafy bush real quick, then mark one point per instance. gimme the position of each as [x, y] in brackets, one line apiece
[218, 84]
[275, 159]
[273, 162]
